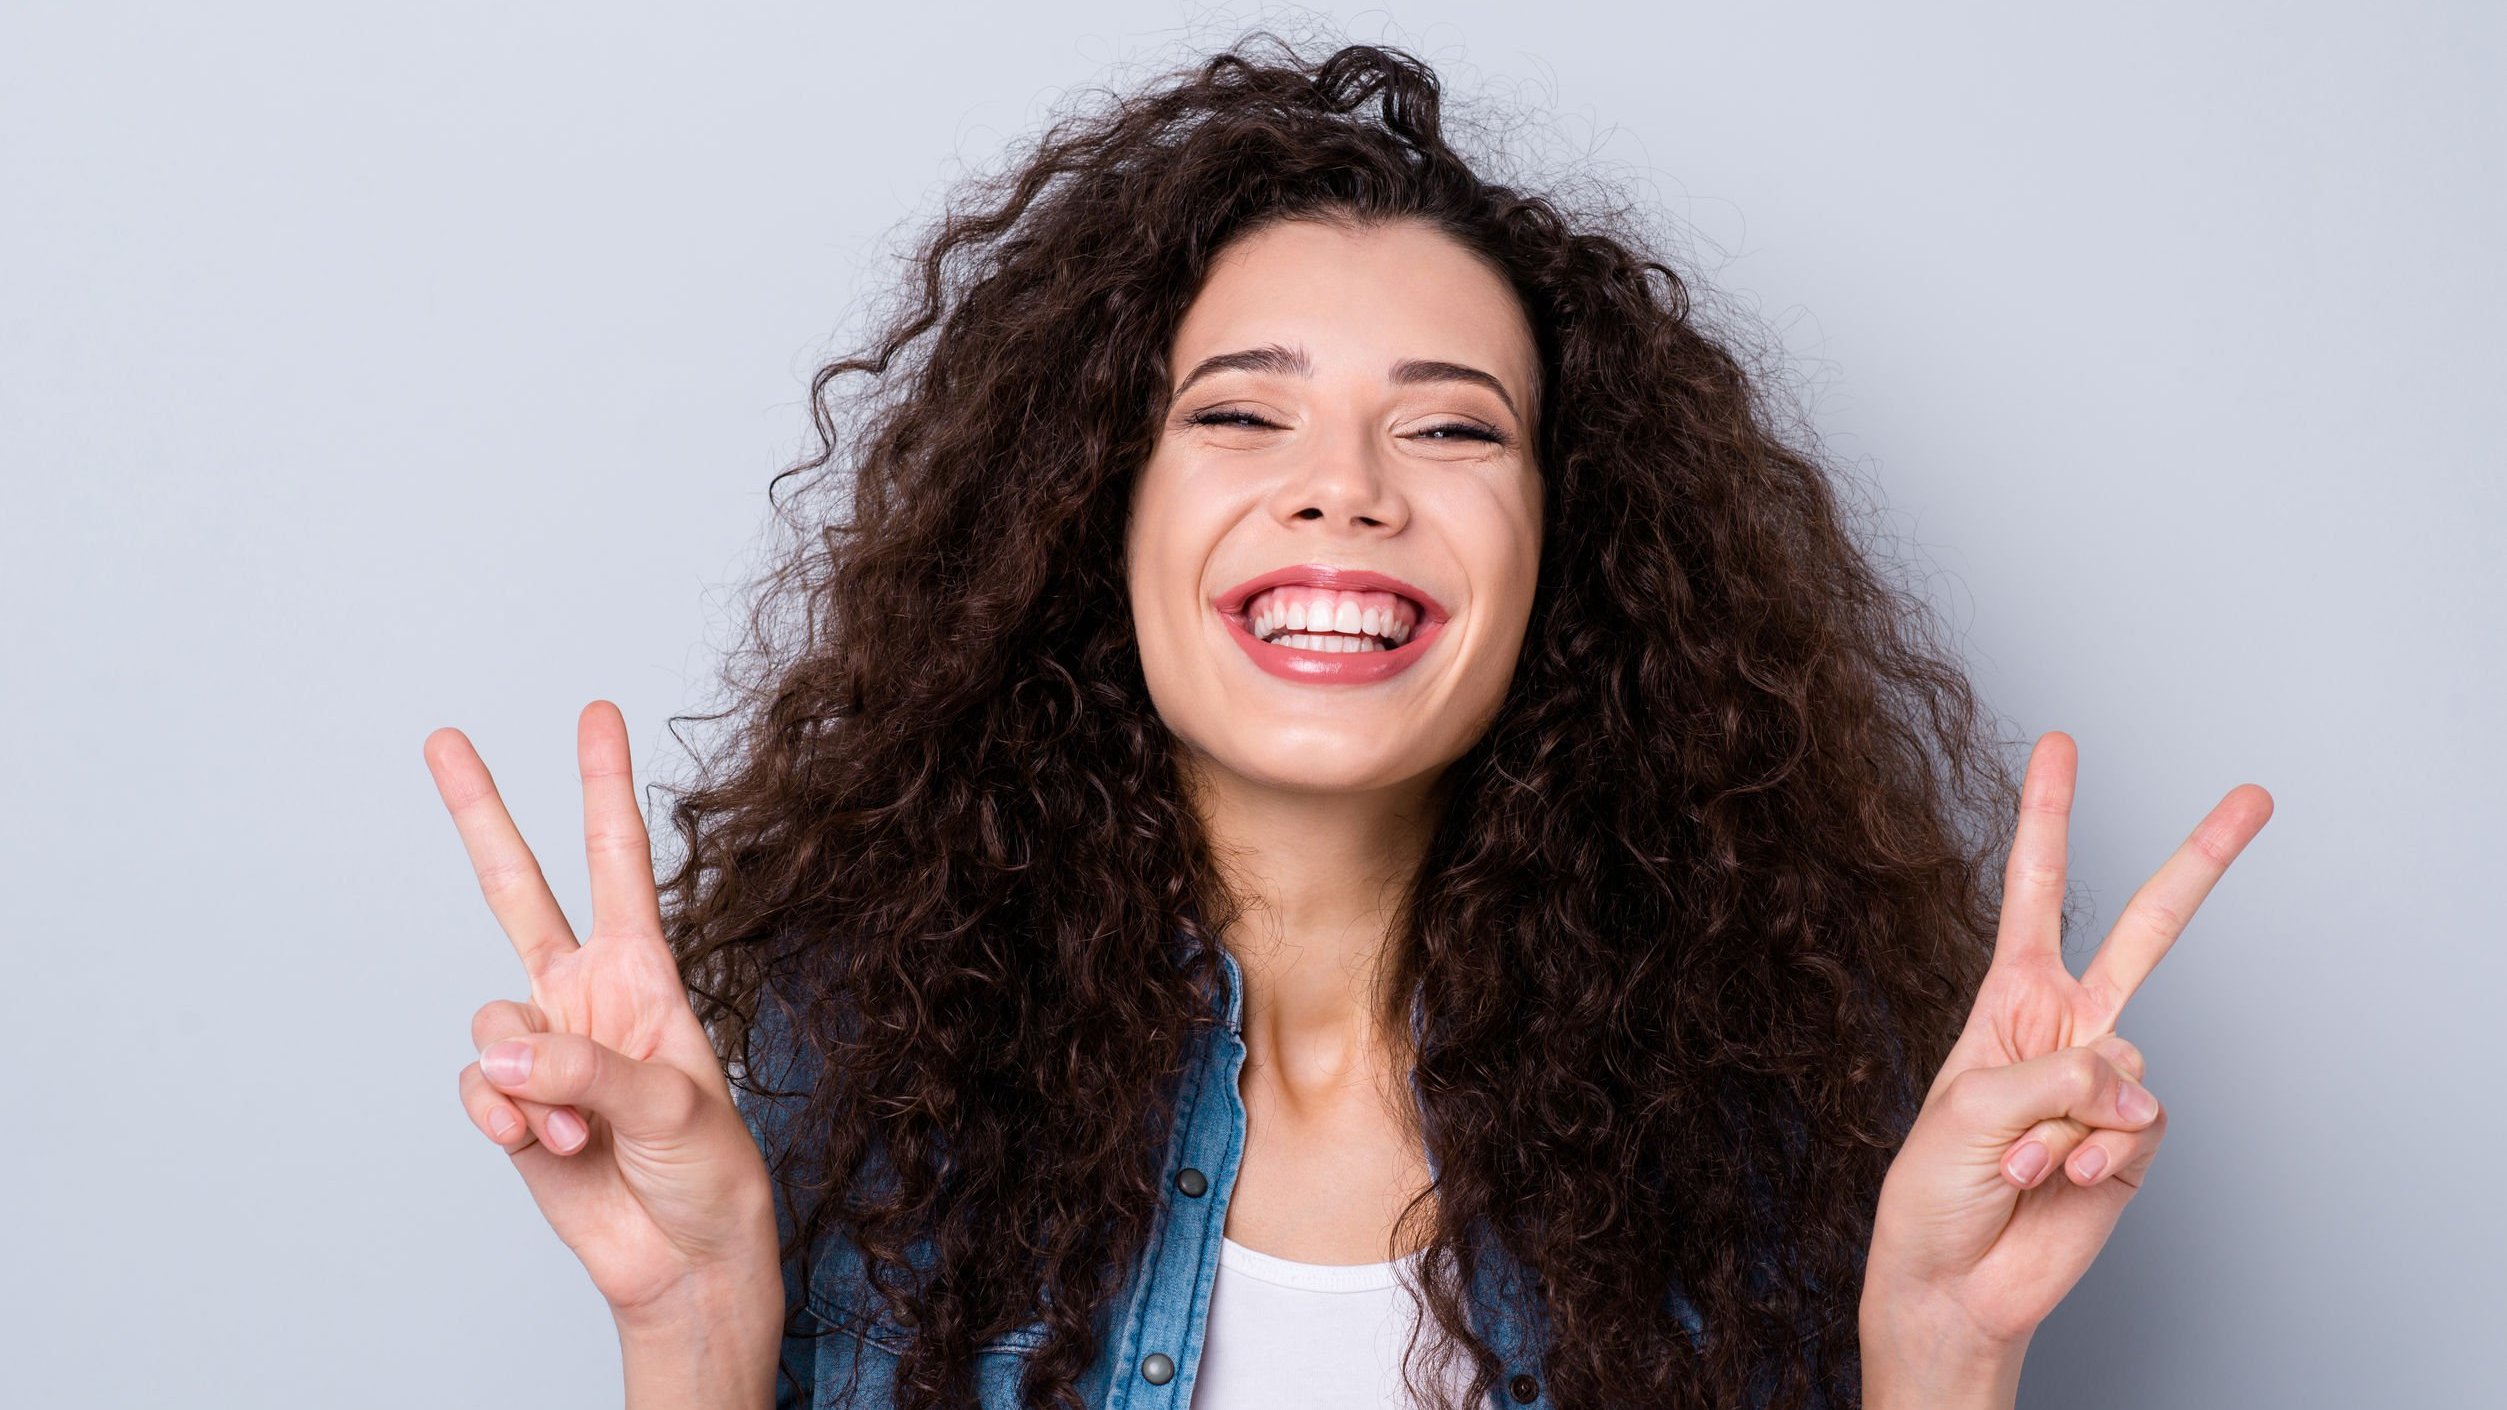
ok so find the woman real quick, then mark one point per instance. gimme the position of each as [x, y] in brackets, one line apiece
[1324, 732]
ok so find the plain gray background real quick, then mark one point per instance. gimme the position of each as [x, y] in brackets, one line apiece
[366, 370]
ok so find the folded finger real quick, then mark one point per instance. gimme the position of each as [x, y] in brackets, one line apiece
[515, 1122]
[651, 1100]
[2116, 1155]
[504, 1018]
[2124, 1055]
[499, 1019]
[1998, 1105]
[492, 1111]
[2043, 1147]
[2052, 1142]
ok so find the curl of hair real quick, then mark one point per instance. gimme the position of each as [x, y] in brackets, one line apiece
[1702, 914]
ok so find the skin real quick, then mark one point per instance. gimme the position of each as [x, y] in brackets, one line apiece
[1317, 796]
[1319, 801]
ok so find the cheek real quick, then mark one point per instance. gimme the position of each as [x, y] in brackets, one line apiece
[1523, 538]
[1494, 527]
[1167, 545]
[1504, 544]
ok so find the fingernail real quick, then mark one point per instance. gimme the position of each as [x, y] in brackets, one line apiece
[501, 1122]
[2091, 1164]
[565, 1129]
[2028, 1162]
[507, 1062]
[2134, 1102]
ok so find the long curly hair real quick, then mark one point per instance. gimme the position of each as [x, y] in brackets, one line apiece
[1702, 912]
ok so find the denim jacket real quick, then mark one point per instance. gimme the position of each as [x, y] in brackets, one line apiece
[1152, 1333]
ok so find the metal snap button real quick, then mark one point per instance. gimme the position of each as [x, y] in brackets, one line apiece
[1157, 1368]
[1192, 1182]
[1524, 1389]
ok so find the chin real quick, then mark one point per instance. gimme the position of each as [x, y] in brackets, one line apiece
[1306, 764]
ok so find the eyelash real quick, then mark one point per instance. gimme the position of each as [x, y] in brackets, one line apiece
[1246, 418]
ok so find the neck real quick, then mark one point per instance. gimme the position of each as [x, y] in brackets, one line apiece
[1321, 881]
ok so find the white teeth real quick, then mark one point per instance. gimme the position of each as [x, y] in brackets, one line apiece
[1333, 622]
[1329, 644]
[1372, 635]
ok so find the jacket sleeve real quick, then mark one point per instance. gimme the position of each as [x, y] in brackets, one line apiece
[769, 1094]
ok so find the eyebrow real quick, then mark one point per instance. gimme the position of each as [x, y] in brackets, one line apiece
[1280, 361]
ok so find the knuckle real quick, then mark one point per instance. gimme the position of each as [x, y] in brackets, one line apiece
[478, 1098]
[616, 841]
[2084, 1072]
[1966, 1097]
[2028, 874]
[574, 1065]
[2216, 846]
[498, 878]
[2164, 920]
[678, 1103]
[2122, 1055]
[497, 1018]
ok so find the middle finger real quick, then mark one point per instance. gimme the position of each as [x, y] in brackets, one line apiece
[624, 901]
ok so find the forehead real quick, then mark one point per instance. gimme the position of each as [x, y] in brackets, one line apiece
[1358, 299]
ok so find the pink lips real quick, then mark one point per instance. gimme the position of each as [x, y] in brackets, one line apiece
[1329, 667]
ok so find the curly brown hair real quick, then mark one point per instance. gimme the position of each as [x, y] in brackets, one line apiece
[1704, 908]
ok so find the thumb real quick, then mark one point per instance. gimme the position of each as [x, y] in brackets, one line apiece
[648, 1101]
[1994, 1105]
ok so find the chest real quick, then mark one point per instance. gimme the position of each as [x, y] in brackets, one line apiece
[1326, 1180]
[1326, 1172]
[1349, 1324]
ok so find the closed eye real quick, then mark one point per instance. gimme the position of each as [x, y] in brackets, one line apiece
[1465, 430]
[1228, 418]
[1452, 430]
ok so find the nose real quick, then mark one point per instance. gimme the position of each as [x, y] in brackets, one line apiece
[1345, 488]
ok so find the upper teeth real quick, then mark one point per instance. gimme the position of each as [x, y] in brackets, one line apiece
[1327, 614]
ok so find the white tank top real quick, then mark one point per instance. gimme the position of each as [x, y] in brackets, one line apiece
[1318, 1336]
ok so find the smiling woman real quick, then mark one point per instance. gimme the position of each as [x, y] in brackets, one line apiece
[1337, 451]
[1324, 815]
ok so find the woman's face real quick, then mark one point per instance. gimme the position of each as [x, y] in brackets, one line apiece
[1333, 547]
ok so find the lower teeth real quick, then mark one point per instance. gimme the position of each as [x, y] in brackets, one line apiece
[1329, 645]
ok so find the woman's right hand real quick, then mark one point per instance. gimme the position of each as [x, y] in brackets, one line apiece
[602, 1086]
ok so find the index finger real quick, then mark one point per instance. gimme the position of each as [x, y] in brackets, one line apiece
[624, 901]
[2160, 910]
[508, 874]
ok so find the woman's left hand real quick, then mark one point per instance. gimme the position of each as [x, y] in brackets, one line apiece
[2037, 1130]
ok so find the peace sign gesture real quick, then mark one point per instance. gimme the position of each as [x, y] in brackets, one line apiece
[1977, 1235]
[603, 1086]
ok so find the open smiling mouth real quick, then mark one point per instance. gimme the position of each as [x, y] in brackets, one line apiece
[1322, 625]
[1321, 619]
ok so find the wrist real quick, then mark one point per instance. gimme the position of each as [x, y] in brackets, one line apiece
[1923, 1352]
[711, 1344]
